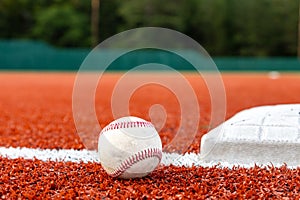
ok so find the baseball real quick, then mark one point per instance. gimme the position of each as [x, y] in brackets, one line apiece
[129, 147]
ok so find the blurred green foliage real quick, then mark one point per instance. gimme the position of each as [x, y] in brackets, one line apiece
[222, 27]
[62, 25]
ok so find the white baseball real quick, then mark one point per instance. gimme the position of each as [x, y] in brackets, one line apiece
[129, 147]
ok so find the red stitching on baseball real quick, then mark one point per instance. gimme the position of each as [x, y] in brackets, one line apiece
[119, 125]
[147, 153]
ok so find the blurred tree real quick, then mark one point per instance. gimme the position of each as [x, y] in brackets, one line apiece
[137, 13]
[16, 18]
[62, 25]
[265, 28]
[243, 27]
[223, 28]
[209, 24]
[110, 20]
[95, 5]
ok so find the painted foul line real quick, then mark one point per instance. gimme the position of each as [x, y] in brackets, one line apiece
[71, 155]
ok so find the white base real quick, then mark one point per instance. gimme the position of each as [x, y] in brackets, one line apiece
[262, 135]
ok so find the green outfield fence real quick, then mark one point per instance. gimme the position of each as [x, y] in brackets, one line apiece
[32, 55]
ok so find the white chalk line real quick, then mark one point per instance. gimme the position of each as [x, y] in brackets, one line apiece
[76, 156]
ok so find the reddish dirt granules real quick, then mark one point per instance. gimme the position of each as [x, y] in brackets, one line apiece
[56, 180]
[36, 112]
[36, 108]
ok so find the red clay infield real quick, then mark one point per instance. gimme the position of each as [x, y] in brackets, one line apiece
[36, 112]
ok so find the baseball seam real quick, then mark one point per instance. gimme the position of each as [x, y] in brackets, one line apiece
[137, 157]
[119, 125]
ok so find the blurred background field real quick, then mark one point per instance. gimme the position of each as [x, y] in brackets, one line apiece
[238, 34]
